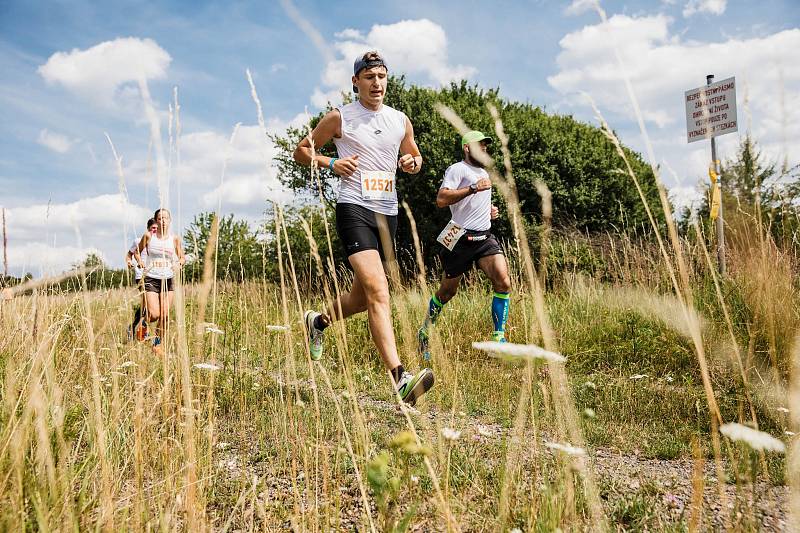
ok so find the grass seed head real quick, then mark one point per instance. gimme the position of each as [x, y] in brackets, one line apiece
[508, 350]
[757, 440]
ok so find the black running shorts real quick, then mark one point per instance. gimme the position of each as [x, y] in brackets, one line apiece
[157, 285]
[357, 227]
[470, 247]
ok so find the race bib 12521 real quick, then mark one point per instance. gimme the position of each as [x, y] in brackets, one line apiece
[377, 185]
[450, 235]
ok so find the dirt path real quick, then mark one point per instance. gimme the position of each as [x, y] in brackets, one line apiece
[625, 476]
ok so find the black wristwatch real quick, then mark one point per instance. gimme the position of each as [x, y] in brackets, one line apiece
[473, 189]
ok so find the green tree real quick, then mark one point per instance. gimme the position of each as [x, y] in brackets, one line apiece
[239, 250]
[575, 160]
[752, 183]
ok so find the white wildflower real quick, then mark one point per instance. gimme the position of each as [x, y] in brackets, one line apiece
[450, 435]
[277, 328]
[566, 448]
[590, 385]
[589, 412]
[223, 445]
[126, 364]
[757, 440]
[212, 328]
[518, 351]
[669, 379]
[789, 433]
[414, 479]
[783, 410]
[515, 530]
[638, 376]
[206, 366]
[483, 431]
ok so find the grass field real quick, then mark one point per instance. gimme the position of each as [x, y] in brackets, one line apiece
[98, 432]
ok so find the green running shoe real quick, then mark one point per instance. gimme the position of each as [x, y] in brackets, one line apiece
[499, 336]
[315, 336]
[411, 387]
[422, 338]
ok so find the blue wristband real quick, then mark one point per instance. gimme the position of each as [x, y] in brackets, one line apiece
[332, 161]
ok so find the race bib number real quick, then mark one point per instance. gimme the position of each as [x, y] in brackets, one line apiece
[160, 263]
[450, 235]
[377, 185]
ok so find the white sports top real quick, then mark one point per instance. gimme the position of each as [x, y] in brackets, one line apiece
[475, 211]
[161, 255]
[137, 268]
[375, 136]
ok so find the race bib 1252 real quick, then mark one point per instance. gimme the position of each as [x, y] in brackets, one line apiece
[377, 185]
[450, 235]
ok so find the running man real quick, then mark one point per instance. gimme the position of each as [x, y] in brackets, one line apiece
[138, 328]
[368, 136]
[468, 238]
[163, 252]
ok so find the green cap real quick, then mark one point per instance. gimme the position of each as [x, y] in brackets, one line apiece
[473, 137]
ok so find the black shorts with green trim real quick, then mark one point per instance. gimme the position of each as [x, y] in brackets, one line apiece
[470, 247]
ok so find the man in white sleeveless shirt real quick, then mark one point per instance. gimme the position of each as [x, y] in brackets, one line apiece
[467, 239]
[368, 136]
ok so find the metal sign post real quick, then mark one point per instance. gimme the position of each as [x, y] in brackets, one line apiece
[710, 112]
[720, 218]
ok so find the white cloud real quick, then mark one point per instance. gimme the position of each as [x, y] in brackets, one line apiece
[578, 7]
[41, 259]
[662, 66]
[105, 72]
[414, 47]
[714, 7]
[55, 141]
[43, 237]
[98, 213]
[250, 175]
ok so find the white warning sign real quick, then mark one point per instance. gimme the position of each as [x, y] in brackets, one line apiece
[711, 110]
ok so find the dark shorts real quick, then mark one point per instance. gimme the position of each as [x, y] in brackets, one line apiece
[470, 247]
[357, 227]
[157, 285]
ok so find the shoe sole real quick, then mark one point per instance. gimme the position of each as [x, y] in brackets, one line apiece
[422, 385]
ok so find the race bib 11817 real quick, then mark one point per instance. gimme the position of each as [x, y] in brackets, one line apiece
[377, 185]
[450, 235]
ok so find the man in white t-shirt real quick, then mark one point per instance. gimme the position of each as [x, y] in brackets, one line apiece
[467, 239]
[369, 138]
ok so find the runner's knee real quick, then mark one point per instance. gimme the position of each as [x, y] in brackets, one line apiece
[377, 295]
[502, 284]
[445, 294]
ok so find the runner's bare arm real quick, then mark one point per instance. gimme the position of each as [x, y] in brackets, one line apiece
[141, 246]
[411, 160]
[446, 197]
[179, 251]
[329, 127]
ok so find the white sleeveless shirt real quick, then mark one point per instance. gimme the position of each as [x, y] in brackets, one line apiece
[161, 255]
[375, 136]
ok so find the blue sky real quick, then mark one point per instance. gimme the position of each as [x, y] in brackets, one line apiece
[71, 69]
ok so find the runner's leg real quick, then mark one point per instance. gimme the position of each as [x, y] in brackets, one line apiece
[153, 305]
[352, 302]
[496, 269]
[369, 272]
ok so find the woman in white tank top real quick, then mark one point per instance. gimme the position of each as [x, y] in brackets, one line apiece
[164, 256]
